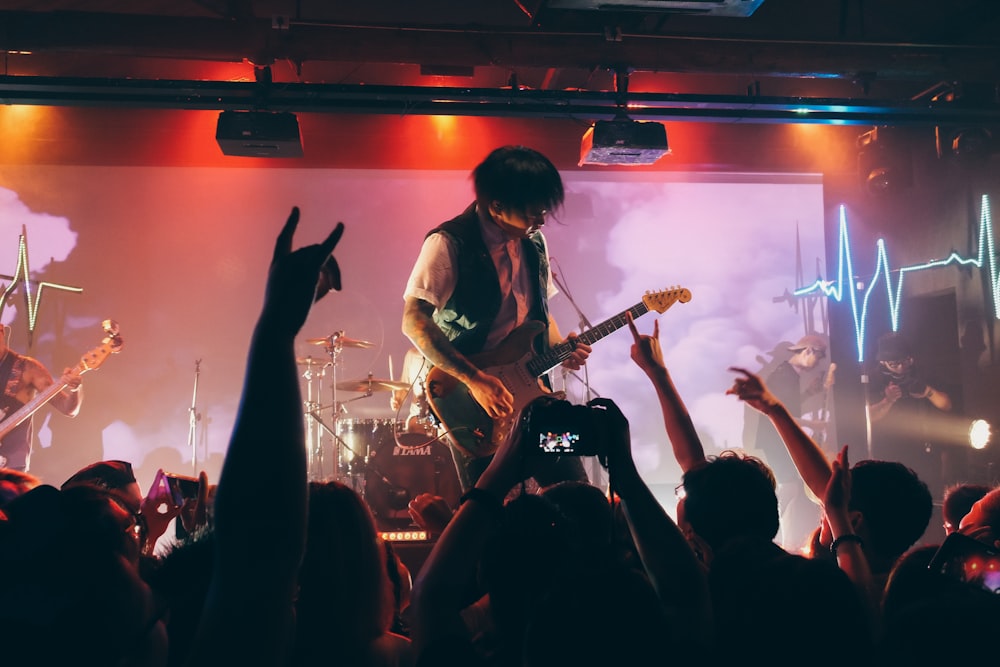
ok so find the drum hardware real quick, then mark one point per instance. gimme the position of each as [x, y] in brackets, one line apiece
[337, 340]
[370, 384]
[334, 345]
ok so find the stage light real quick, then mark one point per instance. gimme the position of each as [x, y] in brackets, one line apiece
[979, 434]
[884, 164]
[973, 145]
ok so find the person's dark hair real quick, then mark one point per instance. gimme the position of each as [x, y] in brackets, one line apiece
[345, 597]
[731, 495]
[15, 482]
[180, 579]
[612, 618]
[105, 474]
[926, 615]
[959, 499]
[768, 605]
[895, 502]
[113, 476]
[518, 178]
[74, 605]
[532, 545]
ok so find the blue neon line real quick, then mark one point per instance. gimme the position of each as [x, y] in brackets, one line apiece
[835, 289]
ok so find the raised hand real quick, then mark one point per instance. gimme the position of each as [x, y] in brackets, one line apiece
[646, 351]
[751, 390]
[838, 489]
[430, 512]
[295, 278]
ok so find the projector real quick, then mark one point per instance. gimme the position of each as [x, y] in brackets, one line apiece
[623, 142]
[259, 134]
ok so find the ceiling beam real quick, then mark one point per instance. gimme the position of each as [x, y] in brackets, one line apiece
[419, 100]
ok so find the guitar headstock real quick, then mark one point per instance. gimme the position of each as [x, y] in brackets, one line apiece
[112, 337]
[111, 344]
[660, 301]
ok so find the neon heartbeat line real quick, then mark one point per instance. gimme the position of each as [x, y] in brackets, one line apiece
[835, 289]
[22, 274]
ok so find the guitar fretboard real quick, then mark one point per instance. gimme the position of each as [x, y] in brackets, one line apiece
[543, 363]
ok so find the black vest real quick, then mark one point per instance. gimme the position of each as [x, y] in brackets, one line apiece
[470, 312]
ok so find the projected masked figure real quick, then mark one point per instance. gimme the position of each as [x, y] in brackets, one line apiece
[478, 277]
[799, 382]
[903, 402]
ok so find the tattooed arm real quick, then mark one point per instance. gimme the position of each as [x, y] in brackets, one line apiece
[419, 327]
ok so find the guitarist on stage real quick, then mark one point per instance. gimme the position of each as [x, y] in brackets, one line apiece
[482, 274]
[21, 379]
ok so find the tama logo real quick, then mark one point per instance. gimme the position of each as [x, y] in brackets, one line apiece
[411, 451]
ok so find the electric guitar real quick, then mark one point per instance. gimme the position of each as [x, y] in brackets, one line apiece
[111, 344]
[469, 426]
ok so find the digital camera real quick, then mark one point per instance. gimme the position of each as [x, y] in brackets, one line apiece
[969, 561]
[557, 427]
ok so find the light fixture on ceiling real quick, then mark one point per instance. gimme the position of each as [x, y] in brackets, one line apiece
[259, 134]
[623, 141]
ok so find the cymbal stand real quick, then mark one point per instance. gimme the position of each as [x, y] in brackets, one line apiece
[314, 435]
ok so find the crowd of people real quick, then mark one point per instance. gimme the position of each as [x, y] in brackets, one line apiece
[535, 566]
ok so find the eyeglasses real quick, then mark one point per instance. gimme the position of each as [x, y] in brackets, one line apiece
[680, 492]
[538, 215]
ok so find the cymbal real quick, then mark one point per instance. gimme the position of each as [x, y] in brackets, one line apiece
[312, 361]
[372, 384]
[338, 339]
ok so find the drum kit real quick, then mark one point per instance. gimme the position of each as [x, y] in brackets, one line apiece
[386, 461]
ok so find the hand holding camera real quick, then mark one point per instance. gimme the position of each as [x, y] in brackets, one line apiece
[167, 497]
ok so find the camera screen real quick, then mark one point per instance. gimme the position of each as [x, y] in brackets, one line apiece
[558, 443]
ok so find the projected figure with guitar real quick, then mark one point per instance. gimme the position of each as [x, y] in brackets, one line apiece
[26, 385]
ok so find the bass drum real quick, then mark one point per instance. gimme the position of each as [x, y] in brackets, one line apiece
[359, 439]
[395, 475]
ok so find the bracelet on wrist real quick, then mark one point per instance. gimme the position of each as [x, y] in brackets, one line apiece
[847, 537]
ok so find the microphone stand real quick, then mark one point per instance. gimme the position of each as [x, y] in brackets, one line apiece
[584, 324]
[193, 418]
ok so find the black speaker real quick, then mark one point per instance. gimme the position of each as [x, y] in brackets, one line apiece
[259, 134]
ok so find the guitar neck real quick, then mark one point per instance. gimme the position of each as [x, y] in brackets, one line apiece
[17, 417]
[543, 363]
